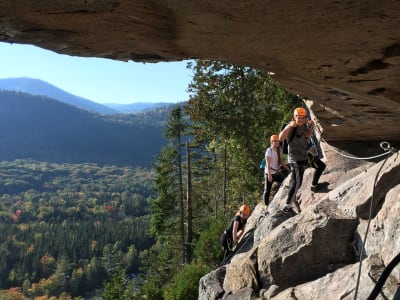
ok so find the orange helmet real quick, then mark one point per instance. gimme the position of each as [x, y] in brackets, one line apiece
[274, 138]
[300, 111]
[245, 209]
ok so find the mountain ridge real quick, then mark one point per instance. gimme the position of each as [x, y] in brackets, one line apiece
[45, 129]
[138, 106]
[40, 87]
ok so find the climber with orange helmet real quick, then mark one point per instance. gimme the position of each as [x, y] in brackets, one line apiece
[273, 162]
[296, 133]
[231, 236]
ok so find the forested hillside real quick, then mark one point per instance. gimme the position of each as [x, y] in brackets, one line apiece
[44, 129]
[66, 227]
[206, 168]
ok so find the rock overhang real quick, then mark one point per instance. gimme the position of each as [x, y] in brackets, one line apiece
[344, 56]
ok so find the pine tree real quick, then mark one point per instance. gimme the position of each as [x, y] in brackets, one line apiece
[237, 109]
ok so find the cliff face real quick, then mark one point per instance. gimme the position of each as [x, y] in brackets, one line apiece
[315, 253]
[343, 55]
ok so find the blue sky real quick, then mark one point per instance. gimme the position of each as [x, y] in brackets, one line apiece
[97, 79]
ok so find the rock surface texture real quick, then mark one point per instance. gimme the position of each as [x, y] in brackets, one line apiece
[315, 254]
[342, 55]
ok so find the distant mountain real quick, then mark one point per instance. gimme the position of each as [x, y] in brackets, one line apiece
[39, 87]
[138, 106]
[45, 129]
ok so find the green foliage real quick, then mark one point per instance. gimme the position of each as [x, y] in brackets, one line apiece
[233, 110]
[231, 114]
[160, 262]
[237, 109]
[185, 285]
[151, 290]
[119, 287]
[164, 208]
[175, 126]
[208, 250]
[169, 185]
[67, 226]
[287, 107]
[239, 103]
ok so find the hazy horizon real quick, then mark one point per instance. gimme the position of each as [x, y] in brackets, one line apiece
[100, 80]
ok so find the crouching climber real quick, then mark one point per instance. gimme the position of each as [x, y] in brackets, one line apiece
[232, 234]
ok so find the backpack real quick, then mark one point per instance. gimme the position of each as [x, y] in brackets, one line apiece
[285, 143]
[262, 164]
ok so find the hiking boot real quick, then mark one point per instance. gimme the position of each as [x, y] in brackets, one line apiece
[314, 187]
[287, 209]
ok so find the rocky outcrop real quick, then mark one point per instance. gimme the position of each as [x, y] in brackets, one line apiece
[314, 243]
[342, 55]
[315, 253]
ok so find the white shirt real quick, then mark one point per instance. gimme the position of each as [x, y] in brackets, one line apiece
[274, 161]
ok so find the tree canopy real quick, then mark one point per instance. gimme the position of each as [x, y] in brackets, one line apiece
[231, 113]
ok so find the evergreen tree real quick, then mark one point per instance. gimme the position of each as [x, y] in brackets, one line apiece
[120, 287]
[237, 108]
[173, 131]
[236, 102]
[170, 166]
[164, 208]
[232, 112]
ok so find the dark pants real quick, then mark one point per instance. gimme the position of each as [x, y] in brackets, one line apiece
[319, 167]
[226, 242]
[278, 178]
[297, 171]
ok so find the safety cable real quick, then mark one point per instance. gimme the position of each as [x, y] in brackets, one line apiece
[385, 146]
[385, 274]
[369, 220]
